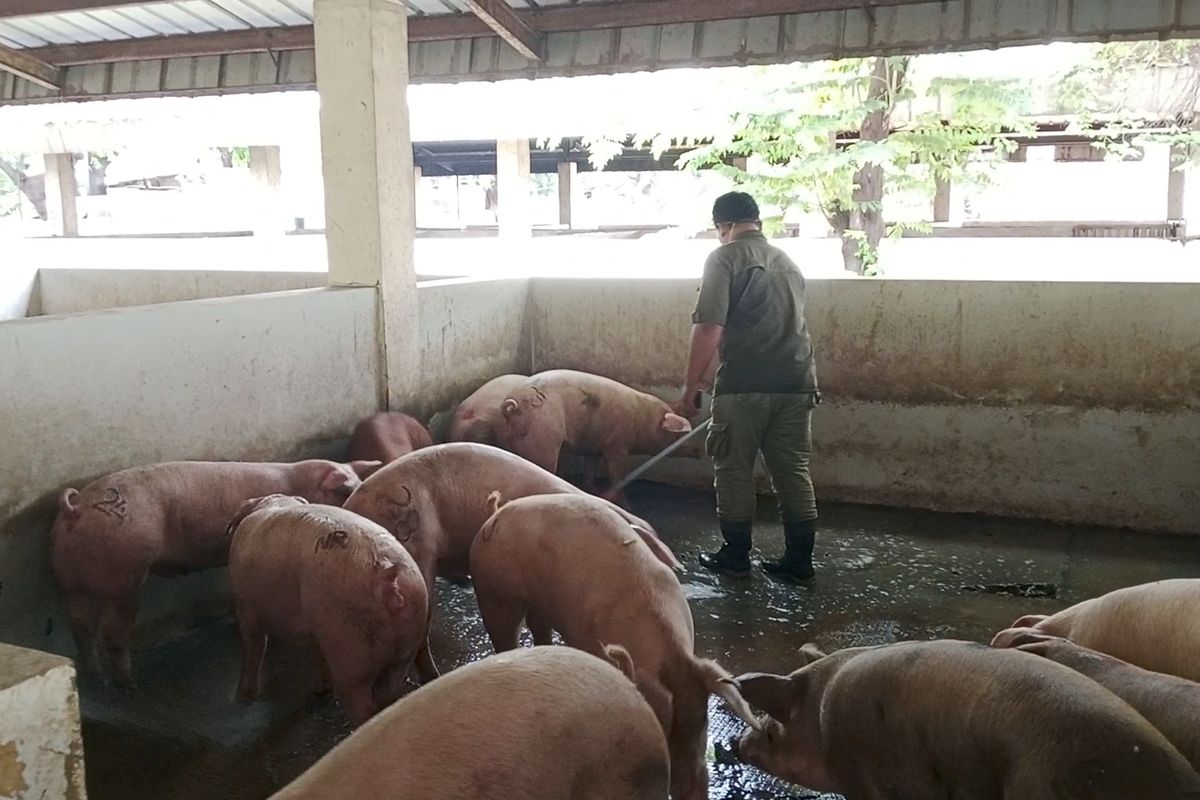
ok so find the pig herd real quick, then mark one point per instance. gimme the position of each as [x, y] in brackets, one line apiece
[1097, 701]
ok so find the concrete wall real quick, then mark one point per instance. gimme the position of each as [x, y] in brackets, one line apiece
[70, 291]
[261, 377]
[1065, 401]
[472, 330]
[19, 293]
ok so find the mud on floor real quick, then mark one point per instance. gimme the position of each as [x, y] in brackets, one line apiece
[883, 576]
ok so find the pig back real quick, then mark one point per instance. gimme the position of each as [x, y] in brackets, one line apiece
[961, 714]
[531, 724]
[1155, 626]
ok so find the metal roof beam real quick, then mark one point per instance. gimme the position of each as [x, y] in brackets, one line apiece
[509, 26]
[31, 68]
[439, 27]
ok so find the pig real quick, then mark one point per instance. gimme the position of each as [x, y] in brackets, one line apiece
[571, 564]
[475, 419]
[930, 720]
[435, 500]
[548, 722]
[1168, 703]
[162, 519]
[319, 572]
[386, 436]
[1155, 626]
[588, 414]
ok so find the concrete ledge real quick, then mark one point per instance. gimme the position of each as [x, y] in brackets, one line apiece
[41, 744]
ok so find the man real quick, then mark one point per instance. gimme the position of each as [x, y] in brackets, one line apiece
[751, 307]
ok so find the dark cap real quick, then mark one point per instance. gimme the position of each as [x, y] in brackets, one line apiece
[735, 207]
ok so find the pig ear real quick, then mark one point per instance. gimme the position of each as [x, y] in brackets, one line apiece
[389, 592]
[774, 694]
[365, 469]
[509, 407]
[810, 653]
[334, 479]
[673, 423]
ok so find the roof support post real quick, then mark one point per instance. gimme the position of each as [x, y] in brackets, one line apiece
[512, 189]
[61, 194]
[367, 162]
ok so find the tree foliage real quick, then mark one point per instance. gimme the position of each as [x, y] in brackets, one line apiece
[800, 145]
[812, 152]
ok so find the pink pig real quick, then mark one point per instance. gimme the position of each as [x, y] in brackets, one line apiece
[301, 571]
[588, 414]
[571, 563]
[165, 519]
[435, 501]
[1155, 626]
[475, 419]
[548, 722]
[386, 436]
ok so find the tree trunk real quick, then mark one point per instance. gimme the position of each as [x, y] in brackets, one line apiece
[867, 214]
[33, 188]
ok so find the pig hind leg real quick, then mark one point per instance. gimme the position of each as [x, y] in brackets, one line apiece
[117, 617]
[543, 632]
[84, 612]
[616, 463]
[502, 619]
[687, 741]
[254, 648]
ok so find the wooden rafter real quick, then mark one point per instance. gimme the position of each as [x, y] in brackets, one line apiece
[31, 68]
[509, 26]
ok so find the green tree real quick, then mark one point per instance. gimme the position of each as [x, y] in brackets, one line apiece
[844, 140]
[15, 181]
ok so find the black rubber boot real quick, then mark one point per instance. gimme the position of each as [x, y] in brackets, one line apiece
[796, 564]
[733, 559]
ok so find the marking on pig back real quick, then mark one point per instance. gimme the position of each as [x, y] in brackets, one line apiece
[407, 520]
[590, 401]
[113, 504]
[332, 540]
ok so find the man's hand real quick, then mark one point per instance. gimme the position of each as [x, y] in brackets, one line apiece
[689, 405]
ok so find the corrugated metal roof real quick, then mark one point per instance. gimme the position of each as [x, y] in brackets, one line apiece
[153, 19]
[193, 16]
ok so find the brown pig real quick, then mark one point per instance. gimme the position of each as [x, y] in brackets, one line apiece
[162, 519]
[386, 436]
[549, 722]
[1155, 626]
[571, 563]
[588, 414]
[930, 720]
[475, 419]
[1168, 703]
[317, 572]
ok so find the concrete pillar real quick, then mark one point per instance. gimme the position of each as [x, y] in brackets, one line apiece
[267, 171]
[42, 750]
[367, 158]
[1177, 183]
[941, 201]
[513, 207]
[567, 171]
[740, 162]
[61, 192]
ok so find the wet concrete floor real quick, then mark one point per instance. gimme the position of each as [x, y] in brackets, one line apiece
[883, 576]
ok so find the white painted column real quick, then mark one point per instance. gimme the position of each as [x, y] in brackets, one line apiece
[61, 192]
[514, 209]
[1177, 184]
[267, 171]
[567, 171]
[362, 77]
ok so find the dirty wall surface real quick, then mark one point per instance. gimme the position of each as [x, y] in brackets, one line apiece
[267, 377]
[1074, 402]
